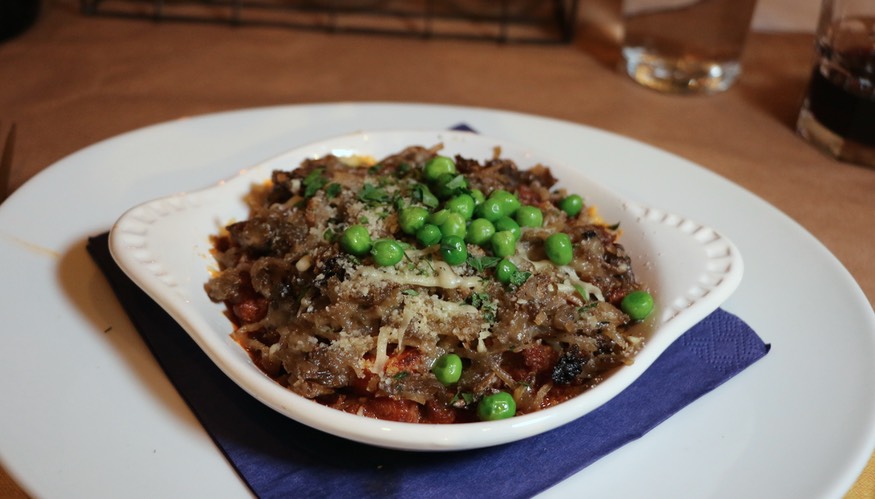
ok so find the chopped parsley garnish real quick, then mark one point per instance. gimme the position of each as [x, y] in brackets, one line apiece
[455, 184]
[484, 303]
[586, 308]
[314, 181]
[333, 190]
[476, 299]
[479, 263]
[463, 399]
[410, 292]
[373, 195]
[403, 168]
[519, 278]
[422, 194]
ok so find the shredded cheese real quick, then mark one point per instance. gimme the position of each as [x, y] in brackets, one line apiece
[443, 276]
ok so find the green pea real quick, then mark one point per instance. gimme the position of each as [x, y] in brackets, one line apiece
[571, 205]
[463, 204]
[387, 252]
[412, 218]
[637, 304]
[510, 202]
[429, 234]
[447, 368]
[496, 406]
[504, 270]
[529, 216]
[507, 223]
[438, 217]
[437, 166]
[558, 248]
[355, 240]
[477, 196]
[503, 244]
[491, 209]
[480, 231]
[454, 225]
[453, 250]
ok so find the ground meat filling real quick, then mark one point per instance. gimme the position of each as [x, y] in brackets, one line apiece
[342, 330]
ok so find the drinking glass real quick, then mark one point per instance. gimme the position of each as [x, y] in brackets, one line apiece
[685, 46]
[838, 113]
[16, 16]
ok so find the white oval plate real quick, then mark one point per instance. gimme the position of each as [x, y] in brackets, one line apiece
[163, 246]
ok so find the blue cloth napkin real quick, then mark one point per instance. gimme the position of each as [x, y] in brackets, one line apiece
[278, 457]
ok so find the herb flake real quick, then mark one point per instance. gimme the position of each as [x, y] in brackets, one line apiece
[421, 193]
[333, 189]
[314, 181]
[373, 195]
[519, 278]
[480, 263]
[484, 303]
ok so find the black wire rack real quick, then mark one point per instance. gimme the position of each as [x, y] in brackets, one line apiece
[524, 21]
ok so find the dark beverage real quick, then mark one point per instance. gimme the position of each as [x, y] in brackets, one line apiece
[843, 98]
[16, 16]
[838, 114]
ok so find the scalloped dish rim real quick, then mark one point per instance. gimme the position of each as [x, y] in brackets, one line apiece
[163, 246]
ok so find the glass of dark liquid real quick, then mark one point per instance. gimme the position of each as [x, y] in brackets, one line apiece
[838, 114]
[16, 16]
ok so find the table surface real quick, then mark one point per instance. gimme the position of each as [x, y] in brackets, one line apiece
[73, 80]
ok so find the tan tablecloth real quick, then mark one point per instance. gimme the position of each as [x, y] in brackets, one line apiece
[74, 80]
